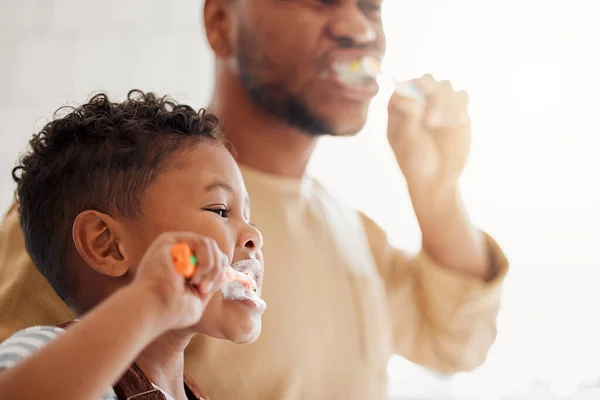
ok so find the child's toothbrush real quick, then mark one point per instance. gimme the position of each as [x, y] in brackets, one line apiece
[186, 262]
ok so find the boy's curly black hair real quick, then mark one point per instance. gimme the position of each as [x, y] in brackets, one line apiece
[100, 156]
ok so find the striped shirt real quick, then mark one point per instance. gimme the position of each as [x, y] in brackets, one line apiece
[26, 342]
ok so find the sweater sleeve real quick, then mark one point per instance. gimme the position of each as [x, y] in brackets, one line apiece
[441, 319]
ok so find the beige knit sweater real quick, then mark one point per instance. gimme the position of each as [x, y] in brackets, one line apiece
[340, 302]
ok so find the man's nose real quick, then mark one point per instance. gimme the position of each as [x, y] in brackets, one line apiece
[350, 27]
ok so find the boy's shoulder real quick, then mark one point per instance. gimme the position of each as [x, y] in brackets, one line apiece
[26, 342]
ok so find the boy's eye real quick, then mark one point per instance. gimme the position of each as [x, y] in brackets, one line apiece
[221, 212]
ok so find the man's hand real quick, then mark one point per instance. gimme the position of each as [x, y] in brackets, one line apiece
[430, 137]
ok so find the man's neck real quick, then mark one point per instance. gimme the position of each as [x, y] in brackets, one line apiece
[259, 140]
[162, 362]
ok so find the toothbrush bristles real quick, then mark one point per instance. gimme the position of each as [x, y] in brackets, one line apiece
[370, 66]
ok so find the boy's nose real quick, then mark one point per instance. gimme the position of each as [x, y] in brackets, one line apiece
[252, 239]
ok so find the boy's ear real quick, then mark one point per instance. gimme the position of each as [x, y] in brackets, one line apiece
[218, 22]
[97, 237]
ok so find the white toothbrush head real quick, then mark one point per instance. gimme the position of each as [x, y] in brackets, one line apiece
[370, 66]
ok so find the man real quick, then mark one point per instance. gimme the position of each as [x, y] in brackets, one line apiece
[340, 299]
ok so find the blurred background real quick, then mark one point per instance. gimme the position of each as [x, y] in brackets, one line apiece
[531, 68]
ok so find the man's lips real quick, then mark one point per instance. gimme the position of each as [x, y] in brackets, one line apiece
[353, 74]
[352, 54]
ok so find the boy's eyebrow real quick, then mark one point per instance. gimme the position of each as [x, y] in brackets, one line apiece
[218, 185]
[222, 185]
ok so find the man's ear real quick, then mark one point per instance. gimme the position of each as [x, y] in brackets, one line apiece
[219, 25]
[98, 239]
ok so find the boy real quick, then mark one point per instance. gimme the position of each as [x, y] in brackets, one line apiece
[98, 194]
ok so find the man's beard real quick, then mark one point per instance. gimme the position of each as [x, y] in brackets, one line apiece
[273, 98]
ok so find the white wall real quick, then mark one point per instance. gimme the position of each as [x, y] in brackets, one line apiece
[532, 180]
[54, 52]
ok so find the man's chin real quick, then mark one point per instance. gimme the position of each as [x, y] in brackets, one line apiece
[343, 121]
[347, 132]
[345, 128]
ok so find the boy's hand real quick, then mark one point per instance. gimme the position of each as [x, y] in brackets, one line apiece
[182, 304]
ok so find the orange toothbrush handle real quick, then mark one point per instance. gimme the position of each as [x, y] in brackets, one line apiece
[185, 262]
[183, 259]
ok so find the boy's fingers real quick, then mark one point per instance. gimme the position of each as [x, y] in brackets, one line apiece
[207, 259]
[200, 245]
[209, 274]
[211, 261]
[212, 279]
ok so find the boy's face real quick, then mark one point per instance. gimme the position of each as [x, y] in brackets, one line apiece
[202, 191]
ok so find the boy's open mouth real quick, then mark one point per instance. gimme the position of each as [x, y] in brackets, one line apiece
[244, 287]
[249, 272]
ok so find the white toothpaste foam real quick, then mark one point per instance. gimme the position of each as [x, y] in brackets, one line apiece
[251, 267]
[236, 290]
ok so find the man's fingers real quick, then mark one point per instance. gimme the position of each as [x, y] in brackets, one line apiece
[460, 109]
[445, 107]
[405, 116]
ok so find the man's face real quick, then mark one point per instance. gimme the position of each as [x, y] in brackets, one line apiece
[284, 51]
